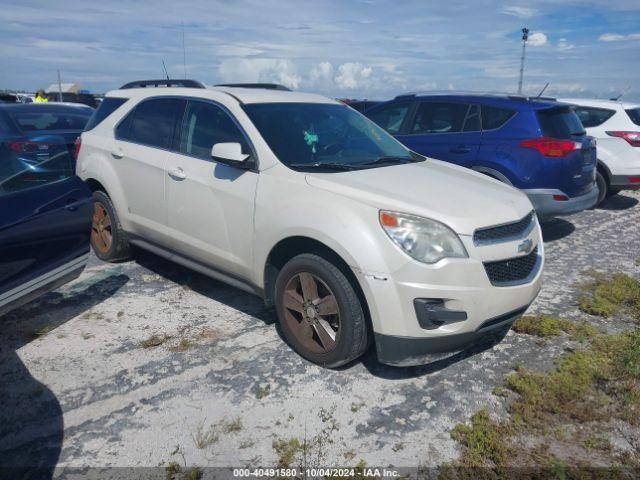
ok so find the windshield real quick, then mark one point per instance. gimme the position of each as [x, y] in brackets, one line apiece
[316, 134]
[33, 120]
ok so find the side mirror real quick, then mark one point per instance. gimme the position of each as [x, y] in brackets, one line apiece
[230, 154]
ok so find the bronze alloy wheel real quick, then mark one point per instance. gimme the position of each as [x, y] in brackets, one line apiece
[101, 232]
[311, 312]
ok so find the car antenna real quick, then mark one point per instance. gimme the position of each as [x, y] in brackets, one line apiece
[165, 69]
[615, 99]
[542, 91]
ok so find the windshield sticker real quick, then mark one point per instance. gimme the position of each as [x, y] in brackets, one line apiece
[311, 139]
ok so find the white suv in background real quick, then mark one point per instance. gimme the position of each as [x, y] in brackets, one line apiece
[616, 126]
[305, 202]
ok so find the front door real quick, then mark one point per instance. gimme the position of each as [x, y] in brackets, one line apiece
[45, 225]
[210, 205]
[448, 131]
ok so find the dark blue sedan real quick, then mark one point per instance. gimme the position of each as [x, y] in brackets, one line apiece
[45, 209]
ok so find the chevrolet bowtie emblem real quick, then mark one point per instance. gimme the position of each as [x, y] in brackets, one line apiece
[526, 246]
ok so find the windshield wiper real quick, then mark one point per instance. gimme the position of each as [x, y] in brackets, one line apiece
[327, 166]
[389, 160]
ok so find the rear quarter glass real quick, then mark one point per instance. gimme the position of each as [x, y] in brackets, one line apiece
[634, 115]
[106, 108]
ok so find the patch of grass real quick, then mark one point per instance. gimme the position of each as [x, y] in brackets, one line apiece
[262, 392]
[193, 473]
[120, 314]
[483, 442]
[42, 332]
[287, 451]
[607, 295]
[172, 469]
[86, 335]
[184, 345]
[202, 438]
[548, 326]
[356, 407]
[500, 392]
[247, 444]
[154, 341]
[638, 262]
[570, 406]
[397, 447]
[231, 426]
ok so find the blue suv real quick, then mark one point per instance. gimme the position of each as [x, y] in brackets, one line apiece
[535, 144]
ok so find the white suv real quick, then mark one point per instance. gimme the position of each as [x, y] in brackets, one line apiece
[301, 200]
[616, 126]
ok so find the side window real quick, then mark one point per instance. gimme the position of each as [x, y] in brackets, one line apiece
[495, 117]
[390, 117]
[152, 122]
[440, 117]
[27, 165]
[204, 125]
[472, 122]
[593, 117]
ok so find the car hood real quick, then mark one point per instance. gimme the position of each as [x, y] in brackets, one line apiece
[460, 198]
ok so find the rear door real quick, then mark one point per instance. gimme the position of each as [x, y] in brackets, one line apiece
[143, 140]
[579, 166]
[45, 224]
[210, 204]
[445, 130]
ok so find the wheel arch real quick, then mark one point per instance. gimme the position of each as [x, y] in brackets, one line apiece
[492, 172]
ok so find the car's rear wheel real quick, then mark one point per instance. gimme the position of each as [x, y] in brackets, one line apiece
[319, 312]
[603, 187]
[107, 238]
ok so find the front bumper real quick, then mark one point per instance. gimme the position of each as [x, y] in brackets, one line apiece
[547, 207]
[408, 351]
[420, 310]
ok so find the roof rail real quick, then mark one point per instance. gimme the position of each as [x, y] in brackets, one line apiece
[527, 98]
[163, 83]
[266, 86]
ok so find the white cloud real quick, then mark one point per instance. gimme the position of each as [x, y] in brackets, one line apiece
[537, 39]
[564, 45]
[239, 70]
[616, 37]
[352, 74]
[321, 74]
[520, 12]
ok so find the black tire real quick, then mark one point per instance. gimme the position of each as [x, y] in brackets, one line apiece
[603, 187]
[118, 249]
[613, 191]
[352, 338]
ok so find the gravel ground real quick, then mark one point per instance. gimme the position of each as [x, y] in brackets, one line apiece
[79, 388]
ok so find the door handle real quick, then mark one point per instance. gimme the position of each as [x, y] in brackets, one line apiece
[177, 173]
[117, 154]
[460, 149]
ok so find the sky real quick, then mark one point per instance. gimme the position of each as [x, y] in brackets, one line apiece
[371, 49]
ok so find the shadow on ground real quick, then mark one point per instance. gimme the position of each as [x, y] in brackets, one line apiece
[199, 283]
[556, 229]
[618, 202]
[31, 423]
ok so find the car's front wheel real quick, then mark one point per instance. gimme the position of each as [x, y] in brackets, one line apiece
[319, 312]
[107, 238]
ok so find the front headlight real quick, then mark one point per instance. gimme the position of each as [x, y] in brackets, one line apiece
[423, 239]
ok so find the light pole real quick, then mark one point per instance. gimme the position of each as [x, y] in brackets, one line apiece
[525, 37]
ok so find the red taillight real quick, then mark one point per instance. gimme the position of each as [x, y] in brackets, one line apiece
[560, 198]
[78, 144]
[634, 179]
[632, 137]
[551, 147]
[27, 147]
